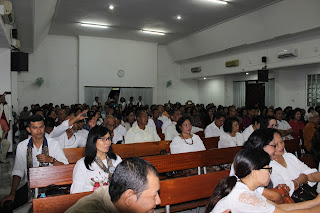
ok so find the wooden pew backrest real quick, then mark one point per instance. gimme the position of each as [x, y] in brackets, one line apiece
[293, 146]
[211, 143]
[180, 190]
[74, 154]
[44, 176]
[56, 204]
[141, 149]
[220, 156]
[200, 134]
[168, 163]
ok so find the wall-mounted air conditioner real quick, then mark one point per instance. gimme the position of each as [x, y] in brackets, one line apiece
[291, 52]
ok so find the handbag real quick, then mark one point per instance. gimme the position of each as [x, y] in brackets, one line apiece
[304, 193]
[281, 188]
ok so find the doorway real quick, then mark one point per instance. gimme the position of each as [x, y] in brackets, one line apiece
[255, 93]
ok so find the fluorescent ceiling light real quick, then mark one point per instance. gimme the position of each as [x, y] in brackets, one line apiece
[111, 7]
[179, 17]
[247, 73]
[219, 1]
[204, 78]
[94, 25]
[153, 32]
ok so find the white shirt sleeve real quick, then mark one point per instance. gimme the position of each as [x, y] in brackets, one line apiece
[225, 142]
[59, 130]
[247, 132]
[195, 129]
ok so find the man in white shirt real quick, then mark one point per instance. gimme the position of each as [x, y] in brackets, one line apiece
[215, 129]
[141, 132]
[110, 123]
[120, 129]
[96, 101]
[131, 101]
[140, 102]
[171, 131]
[36, 142]
[66, 132]
[283, 126]
[165, 120]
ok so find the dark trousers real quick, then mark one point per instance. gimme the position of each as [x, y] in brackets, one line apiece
[20, 199]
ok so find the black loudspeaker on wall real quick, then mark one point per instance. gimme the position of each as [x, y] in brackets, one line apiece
[14, 33]
[19, 61]
[264, 59]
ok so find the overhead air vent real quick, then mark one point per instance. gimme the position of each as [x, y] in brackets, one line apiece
[196, 69]
[233, 63]
[287, 53]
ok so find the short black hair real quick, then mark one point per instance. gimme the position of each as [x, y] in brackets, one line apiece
[277, 109]
[139, 112]
[260, 138]
[49, 122]
[227, 126]
[180, 122]
[265, 122]
[219, 115]
[173, 111]
[34, 118]
[131, 173]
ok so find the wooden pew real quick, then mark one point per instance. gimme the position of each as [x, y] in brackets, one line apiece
[44, 176]
[174, 191]
[220, 156]
[309, 161]
[174, 162]
[161, 135]
[293, 147]
[74, 154]
[124, 150]
[56, 204]
[141, 149]
[211, 143]
[194, 188]
[200, 134]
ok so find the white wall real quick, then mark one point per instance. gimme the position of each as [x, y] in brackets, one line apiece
[56, 61]
[212, 91]
[101, 58]
[283, 18]
[180, 90]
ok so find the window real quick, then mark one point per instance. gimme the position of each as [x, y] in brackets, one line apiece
[313, 90]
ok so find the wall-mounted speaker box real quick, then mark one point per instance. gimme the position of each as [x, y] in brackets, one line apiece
[263, 75]
[19, 61]
[264, 59]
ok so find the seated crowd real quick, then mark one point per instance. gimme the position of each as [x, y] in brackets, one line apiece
[261, 131]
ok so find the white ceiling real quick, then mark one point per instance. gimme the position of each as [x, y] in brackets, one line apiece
[36, 18]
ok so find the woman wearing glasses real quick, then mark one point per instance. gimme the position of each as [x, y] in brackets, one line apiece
[289, 170]
[238, 193]
[95, 169]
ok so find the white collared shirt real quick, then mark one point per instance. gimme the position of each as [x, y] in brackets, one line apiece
[171, 131]
[137, 135]
[213, 131]
[150, 124]
[20, 164]
[284, 125]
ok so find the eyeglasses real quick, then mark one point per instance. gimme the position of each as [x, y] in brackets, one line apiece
[270, 169]
[274, 146]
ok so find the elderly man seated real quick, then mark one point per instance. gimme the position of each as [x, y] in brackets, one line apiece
[310, 128]
[110, 123]
[142, 132]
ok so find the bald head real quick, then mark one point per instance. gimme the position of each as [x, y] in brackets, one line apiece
[110, 122]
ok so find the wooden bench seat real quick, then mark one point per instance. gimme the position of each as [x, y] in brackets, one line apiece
[211, 143]
[176, 191]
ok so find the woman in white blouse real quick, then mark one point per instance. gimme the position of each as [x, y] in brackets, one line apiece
[289, 170]
[185, 142]
[238, 193]
[231, 136]
[95, 169]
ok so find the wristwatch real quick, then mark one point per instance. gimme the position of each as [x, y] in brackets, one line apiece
[53, 161]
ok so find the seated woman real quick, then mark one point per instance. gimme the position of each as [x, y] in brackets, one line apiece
[238, 193]
[289, 170]
[185, 142]
[296, 123]
[231, 136]
[269, 122]
[97, 166]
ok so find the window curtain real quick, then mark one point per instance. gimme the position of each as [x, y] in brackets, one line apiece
[269, 93]
[92, 92]
[239, 93]
[146, 93]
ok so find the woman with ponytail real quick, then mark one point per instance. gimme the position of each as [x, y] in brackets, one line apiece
[239, 194]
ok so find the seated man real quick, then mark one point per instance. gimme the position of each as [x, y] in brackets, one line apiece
[215, 129]
[171, 131]
[110, 123]
[81, 131]
[141, 132]
[309, 129]
[66, 132]
[283, 126]
[134, 187]
[155, 118]
[120, 129]
[33, 152]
